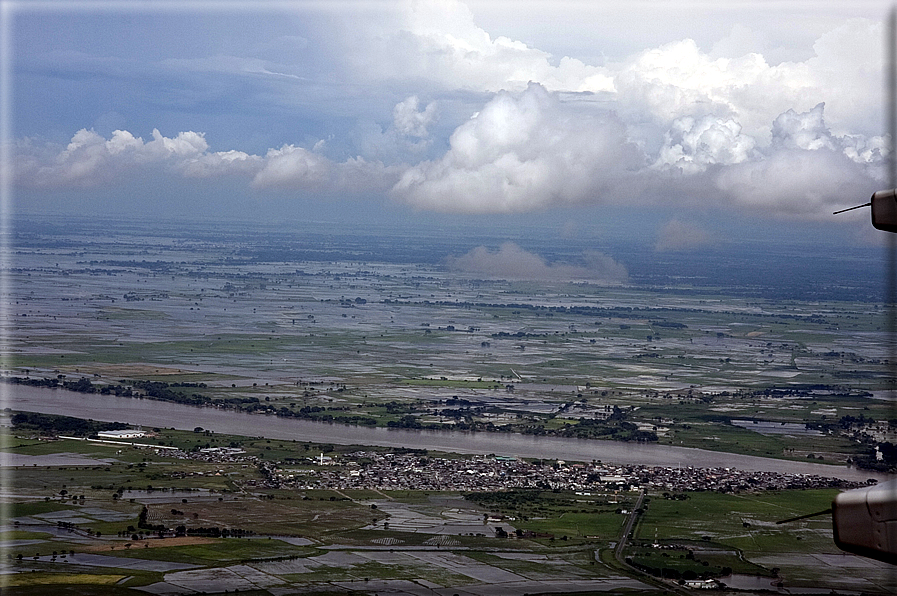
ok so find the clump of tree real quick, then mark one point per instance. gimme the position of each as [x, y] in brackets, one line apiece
[82, 385]
[614, 427]
[142, 523]
[212, 532]
[407, 421]
[162, 391]
[887, 452]
[52, 424]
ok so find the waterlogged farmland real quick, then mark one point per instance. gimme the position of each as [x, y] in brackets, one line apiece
[330, 338]
[382, 330]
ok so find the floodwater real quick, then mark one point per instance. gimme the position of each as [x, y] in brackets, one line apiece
[755, 582]
[12, 460]
[765, 427]
[152, 413]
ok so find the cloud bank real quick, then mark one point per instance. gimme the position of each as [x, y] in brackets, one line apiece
[672, 125]
[512, 262]
[91, 160]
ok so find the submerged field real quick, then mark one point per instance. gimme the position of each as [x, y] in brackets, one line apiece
[314, 326]
[95, 521]
[378, 331]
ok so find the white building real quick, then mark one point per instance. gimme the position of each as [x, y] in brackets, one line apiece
[121, 434]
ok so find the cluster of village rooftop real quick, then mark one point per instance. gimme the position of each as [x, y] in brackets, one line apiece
[413, 471]
[388, 471]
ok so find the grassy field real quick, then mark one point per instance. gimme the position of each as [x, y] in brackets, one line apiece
[701, 532]
[63, 579]
[567, 517]
[711, 533]
[217, 552]
[723, 517]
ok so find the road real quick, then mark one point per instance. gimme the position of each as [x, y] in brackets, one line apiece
[633, 515]
[620, 551]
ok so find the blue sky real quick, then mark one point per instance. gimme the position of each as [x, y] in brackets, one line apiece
[687, 115]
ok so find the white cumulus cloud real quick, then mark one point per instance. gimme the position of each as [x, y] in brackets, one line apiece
[691, 145]
[803, 131]
[807, 170]
[89, 160]
[438, 40]
[411, 121]
[531, 150]
[292, 167]
[522, 152]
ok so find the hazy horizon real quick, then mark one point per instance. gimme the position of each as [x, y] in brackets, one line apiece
[693, 126]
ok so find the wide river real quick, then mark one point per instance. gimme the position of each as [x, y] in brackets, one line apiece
[151, 413]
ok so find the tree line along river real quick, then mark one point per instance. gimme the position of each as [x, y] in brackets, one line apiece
[151, 413]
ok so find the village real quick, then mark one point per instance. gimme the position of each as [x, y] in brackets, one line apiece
[414, 471]
[386, 471]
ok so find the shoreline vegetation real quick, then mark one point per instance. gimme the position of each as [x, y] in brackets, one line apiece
[613, 427]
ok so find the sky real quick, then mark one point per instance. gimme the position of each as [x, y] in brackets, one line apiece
[689, 122]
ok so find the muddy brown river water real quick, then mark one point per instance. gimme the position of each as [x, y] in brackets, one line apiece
[152, 413]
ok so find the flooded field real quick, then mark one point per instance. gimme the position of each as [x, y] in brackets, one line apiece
[382, 332]
[290, 344]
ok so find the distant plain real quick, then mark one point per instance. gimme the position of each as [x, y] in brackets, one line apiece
[376, 329]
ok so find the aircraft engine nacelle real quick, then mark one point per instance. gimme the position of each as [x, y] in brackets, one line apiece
[865, 519]
[884, 210]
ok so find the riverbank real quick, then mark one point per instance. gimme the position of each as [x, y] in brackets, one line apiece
[149, 413]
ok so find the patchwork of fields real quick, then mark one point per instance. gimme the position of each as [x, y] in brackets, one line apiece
[320, 330]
